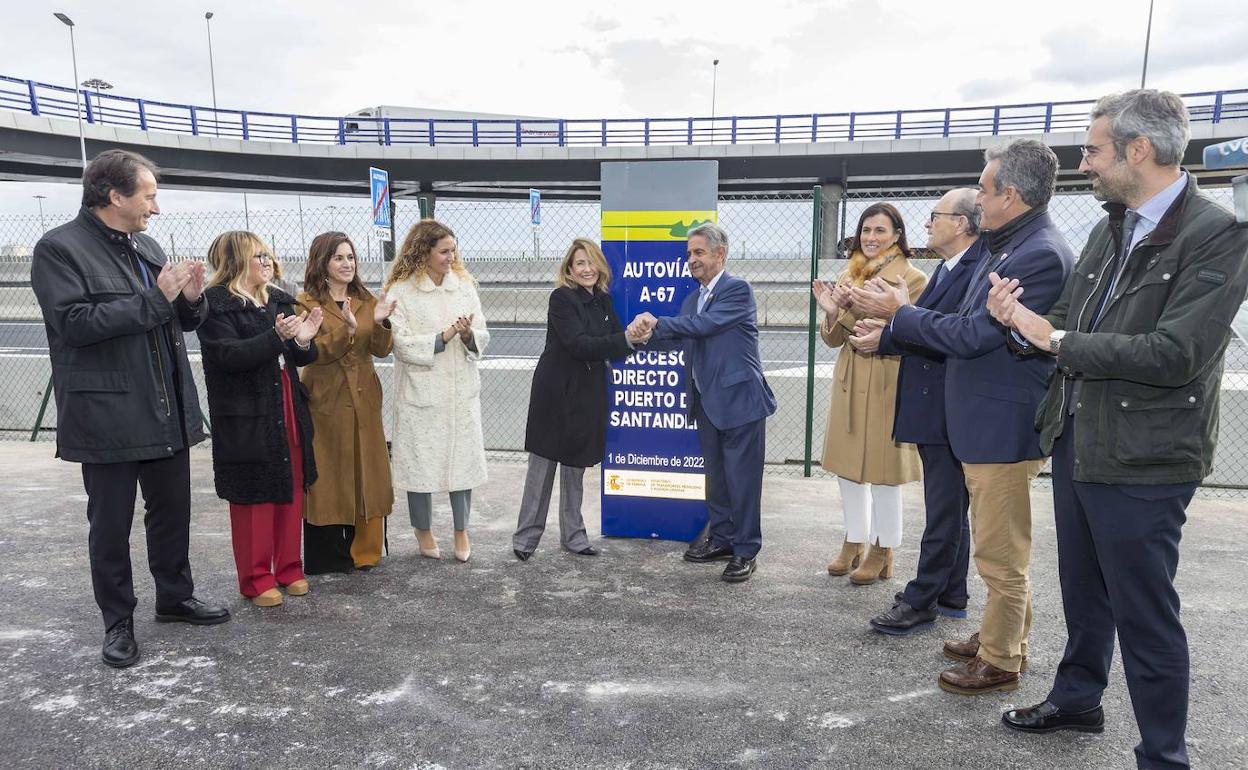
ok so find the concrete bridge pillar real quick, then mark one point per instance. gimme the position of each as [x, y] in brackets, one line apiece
[832, 194]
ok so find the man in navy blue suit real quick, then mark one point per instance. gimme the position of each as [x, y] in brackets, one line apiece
[992, 398]
[939, 586]
[729, 399]
[1139, 336]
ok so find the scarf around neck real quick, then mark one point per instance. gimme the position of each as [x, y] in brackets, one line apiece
[997, 239]
[862, 269]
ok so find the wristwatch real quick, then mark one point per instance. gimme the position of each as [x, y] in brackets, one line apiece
[1055, 341]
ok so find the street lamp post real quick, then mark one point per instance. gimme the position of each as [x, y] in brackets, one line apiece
[82, 141]
[40, 198]
[714, 82]
[212, 74]
[1148, 36]
[98, 85]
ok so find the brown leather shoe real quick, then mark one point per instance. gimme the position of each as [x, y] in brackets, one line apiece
[962, 650]
[977, 676]
[956, 649]
[877, 566]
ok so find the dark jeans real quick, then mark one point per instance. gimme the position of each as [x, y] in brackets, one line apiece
[166, 485]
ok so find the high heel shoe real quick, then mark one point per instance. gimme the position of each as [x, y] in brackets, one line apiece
[428, 546]
[463, 548]
[847, 559]
[298, 588]
[877, 566]
[522, 555]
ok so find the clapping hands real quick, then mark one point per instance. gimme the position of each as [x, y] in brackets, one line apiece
[301, 328]
[866, 335]
[832, 298]
[186, 278]
[641, 328]
[879, 298]
[462, 327]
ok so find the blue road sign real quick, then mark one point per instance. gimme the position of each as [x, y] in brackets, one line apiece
[1232, 154]
[379, 188]
[535, 207]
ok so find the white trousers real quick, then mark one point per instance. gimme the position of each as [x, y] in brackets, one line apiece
[872, 513]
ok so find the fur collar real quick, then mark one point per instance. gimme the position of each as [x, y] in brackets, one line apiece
[861, 269]
[221, 300]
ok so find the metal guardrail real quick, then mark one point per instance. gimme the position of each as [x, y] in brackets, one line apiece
[37, 98]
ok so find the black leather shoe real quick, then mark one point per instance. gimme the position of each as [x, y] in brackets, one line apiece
[903, 619]
[522, 555]
[704, 551]
[588, 550]
[739, 570]
[1047, 718]
[194, 611]
[120, 649]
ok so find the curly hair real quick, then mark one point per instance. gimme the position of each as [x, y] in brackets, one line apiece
[413, 256]
[316, 277]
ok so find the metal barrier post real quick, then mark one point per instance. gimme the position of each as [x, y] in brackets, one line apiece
[43, 407]
[816, 232]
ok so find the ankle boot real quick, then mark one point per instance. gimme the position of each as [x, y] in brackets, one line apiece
[463, 548]
[847, 559]
[428, 546]
[877, 565]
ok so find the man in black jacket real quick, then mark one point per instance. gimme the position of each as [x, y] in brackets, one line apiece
[1131, 414]
[127, 409]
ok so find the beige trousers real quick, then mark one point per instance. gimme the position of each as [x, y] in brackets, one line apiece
[1001, 533]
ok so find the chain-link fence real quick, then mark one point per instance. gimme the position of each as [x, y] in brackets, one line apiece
[772, 238]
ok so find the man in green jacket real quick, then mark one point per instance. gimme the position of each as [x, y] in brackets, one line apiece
[1139, 335]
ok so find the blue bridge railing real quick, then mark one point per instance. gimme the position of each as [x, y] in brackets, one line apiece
[36, 98]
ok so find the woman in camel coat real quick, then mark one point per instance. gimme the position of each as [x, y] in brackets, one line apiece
[858, 444]
[344, 526]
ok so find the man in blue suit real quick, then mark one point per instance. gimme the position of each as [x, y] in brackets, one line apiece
[729, 399]
[939, 587]
[991, 421]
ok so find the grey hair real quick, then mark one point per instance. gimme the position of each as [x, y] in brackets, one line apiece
[1158, 116]
[964, 205]
[1028, 166]
[713, 233]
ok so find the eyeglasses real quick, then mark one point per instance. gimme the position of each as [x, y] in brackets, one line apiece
[1090, 150]
[264, 259]
[932, 217]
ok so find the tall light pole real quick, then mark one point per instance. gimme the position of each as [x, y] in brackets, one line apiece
[82, 141]
[714, 82]
[98, 85]
[1147, 38]
[42, 227]
[212, 74]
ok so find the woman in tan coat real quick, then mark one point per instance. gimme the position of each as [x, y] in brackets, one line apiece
[344, 521]
[858, 445]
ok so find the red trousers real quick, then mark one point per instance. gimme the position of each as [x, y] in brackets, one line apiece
[267, 536]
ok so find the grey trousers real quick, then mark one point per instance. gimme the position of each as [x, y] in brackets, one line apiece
[420, 508]
[535, 503]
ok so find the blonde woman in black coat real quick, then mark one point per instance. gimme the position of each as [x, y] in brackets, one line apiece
[262, 458]
[567, 423]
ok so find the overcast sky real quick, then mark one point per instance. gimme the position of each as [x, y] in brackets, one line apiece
[591, 60]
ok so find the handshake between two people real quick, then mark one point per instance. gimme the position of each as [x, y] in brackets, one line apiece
[641, 328]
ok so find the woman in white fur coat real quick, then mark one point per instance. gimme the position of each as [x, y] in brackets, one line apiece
[439, 335]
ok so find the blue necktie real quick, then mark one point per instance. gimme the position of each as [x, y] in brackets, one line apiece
[703, 294]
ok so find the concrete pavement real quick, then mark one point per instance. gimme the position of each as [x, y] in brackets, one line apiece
[633, 659]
